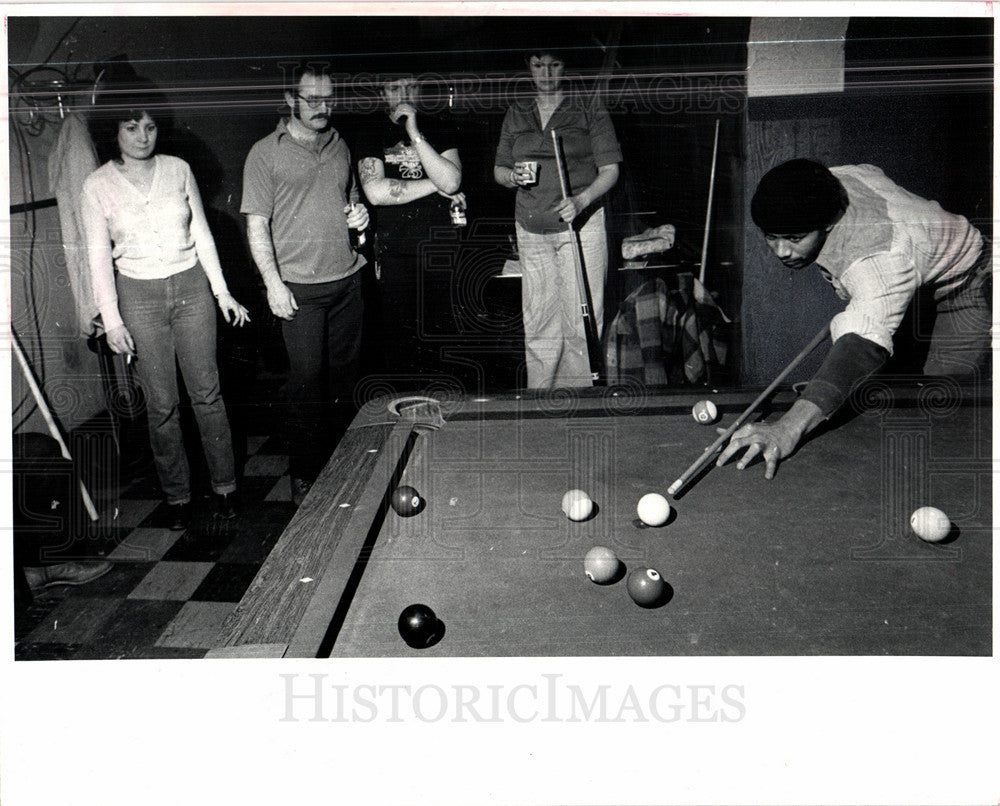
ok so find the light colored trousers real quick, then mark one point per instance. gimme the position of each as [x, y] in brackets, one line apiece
[555, 343]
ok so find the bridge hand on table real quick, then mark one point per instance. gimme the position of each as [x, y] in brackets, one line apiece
[775, 441]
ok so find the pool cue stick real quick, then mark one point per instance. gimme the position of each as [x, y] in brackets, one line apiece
[712, 449]
[708, 211]
[49, 421]
[583, 288]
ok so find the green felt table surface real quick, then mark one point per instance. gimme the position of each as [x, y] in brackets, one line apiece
[818, 561]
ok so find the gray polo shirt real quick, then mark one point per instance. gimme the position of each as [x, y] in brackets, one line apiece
[302, 190]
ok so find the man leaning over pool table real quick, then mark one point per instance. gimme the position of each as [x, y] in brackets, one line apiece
[876, 244]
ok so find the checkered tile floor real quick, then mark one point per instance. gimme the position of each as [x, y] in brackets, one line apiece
[169, 592]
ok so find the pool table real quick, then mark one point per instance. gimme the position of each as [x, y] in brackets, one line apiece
[818, 561]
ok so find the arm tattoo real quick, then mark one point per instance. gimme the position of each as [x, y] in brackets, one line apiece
[367, 170]
[395, 188]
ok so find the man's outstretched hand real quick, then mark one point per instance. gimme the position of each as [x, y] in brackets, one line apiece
[775, 441]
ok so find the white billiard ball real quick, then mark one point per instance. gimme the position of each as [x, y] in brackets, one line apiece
[576, 505]
[930, 524]
[653, 509]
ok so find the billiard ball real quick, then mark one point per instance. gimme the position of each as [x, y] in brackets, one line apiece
[600, 565]
[576, 505]
[653, 509]
[646, 586]
[406, 501]
[418, 625]
[930, 524]
[705, 412]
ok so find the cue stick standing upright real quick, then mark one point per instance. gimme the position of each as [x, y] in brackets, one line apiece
[583, 288]
[708, 211]
[712, 449]
[29, 376]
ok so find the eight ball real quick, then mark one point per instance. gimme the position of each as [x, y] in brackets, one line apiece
[646, 587]
[418, 626]
[406, 501]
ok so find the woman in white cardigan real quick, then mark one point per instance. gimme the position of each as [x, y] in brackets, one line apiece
[157, 279]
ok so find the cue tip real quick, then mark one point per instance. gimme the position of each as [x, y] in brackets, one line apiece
[673, 488]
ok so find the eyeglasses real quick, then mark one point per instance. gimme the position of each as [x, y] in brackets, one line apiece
[315, 102]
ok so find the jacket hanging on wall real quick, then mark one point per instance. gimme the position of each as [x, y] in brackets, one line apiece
[668, 336]
[72, 160]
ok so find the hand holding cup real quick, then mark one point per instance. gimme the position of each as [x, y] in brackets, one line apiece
[525, 173]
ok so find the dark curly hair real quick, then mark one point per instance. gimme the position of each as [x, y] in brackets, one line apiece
[122, 103]
[797, 196]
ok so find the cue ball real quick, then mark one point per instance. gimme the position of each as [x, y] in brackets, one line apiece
[576, 505]
[418, 625]
[406, 501]
[930, 524]
[645, 586]
[653, 509]
[705, 412]
[600, 565]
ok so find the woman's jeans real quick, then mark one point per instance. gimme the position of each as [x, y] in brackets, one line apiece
[173, 323]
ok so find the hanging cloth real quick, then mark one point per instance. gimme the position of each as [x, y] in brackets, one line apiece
[72, 160]
[635, 346]
[667, 337]
[692, 332]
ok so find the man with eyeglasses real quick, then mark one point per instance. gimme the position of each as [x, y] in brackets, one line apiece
[300, 201]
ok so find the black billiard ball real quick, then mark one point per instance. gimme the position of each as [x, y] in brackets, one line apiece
[646, 587]
[418, 625]
[406, 501]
